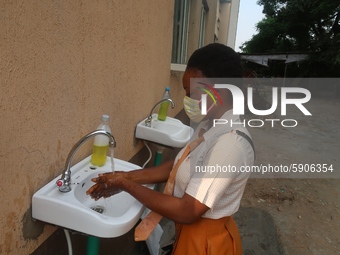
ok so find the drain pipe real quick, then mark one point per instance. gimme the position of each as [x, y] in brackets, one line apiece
[92, 245]
[158, 155]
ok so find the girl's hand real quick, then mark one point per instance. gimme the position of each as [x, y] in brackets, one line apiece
[107, 184]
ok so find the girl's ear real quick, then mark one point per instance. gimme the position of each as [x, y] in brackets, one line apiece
[199, 73]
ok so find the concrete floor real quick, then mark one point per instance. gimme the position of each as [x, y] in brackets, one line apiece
[258, 232]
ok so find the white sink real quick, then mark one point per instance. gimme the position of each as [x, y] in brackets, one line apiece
[110, 217]
[171, 132]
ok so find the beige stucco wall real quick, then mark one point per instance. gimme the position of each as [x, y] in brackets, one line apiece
[62, 65]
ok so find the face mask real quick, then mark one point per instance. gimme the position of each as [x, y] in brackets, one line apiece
[193, 110]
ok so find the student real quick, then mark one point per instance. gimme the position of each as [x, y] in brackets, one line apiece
[203, 201]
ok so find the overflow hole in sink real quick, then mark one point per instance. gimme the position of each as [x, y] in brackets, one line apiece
[98, 208]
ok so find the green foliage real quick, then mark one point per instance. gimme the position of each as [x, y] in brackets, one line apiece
[300, 26]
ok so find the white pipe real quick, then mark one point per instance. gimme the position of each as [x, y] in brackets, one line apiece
[150, 152]
[69, 242]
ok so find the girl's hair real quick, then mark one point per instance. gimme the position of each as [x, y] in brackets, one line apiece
[216, 61]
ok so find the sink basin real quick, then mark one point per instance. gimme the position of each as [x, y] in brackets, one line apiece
[171, 132]
[110, 217]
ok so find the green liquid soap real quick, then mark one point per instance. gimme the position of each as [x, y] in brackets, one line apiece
[99, 155]
[163, 111]
[101, 143]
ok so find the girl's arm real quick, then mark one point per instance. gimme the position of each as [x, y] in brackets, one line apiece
[150, 175]
[183, 210]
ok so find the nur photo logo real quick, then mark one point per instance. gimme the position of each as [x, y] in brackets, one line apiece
[281, 96]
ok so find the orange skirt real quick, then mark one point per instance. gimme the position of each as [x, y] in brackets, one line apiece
[208, 237]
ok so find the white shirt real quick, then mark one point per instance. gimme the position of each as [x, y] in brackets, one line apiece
[205, 174]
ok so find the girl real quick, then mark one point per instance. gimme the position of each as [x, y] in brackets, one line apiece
[208, 184]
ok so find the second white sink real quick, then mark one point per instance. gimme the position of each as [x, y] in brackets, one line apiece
[171, 132]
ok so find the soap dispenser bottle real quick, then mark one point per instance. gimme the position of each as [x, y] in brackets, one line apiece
[163, 110]
[101, 143]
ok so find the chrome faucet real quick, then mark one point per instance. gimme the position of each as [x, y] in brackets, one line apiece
[149, 119]
[64, 182]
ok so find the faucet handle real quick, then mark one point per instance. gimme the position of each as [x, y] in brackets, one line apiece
[64, 186]
[148, 121]
[60, 182]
